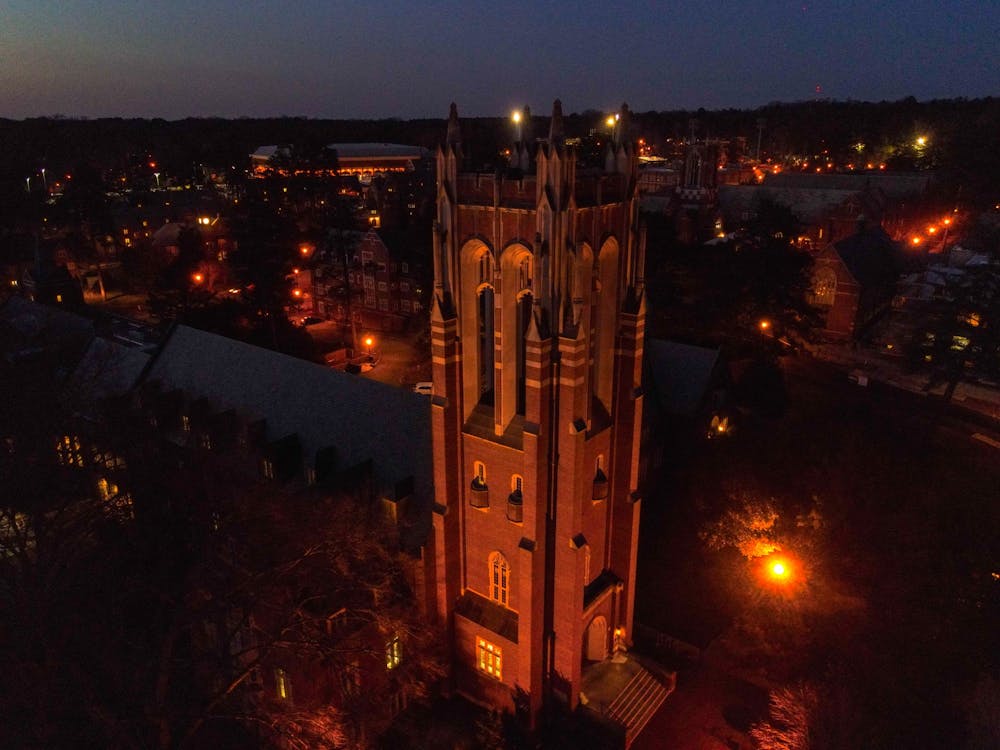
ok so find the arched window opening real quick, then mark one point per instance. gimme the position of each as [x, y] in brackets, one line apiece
[485, 269]
[485, 342]
[499, 576]
[523, 319]
[524, 273]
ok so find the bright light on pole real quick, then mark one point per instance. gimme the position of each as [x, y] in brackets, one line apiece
[516, 117]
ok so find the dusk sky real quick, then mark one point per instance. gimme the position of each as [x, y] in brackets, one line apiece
[392, 58]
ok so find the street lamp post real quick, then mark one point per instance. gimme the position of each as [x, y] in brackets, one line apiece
[516, 117]
[764, 326]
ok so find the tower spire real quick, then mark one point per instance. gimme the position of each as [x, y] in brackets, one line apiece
[454, 131]
[556, 133]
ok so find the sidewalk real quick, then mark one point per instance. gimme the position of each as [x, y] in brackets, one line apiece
[974, 397]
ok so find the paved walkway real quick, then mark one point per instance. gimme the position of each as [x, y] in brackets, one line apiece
[875, 366]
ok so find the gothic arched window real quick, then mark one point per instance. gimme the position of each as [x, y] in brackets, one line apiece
[499, 575]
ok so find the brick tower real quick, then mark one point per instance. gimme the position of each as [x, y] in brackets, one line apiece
[537, 334]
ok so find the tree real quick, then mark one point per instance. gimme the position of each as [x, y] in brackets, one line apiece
[146, 614]
[788, 727]
[959, 333]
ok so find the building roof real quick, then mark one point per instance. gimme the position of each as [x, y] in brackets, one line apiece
[378, 151]
[93, 366]
[361, 418]
[355, 151]
[894, 185]
[870, 255]
[678, 376]
[809, 204]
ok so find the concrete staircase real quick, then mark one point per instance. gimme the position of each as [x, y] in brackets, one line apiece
[636, 704]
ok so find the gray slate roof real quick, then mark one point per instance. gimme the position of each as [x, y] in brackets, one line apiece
[361, 418]
[678, 376]
[895, 185]
[809, 204]
[870, 256]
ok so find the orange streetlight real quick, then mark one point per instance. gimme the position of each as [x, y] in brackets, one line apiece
[764, 325]
[197, 278]
[915, 241]
[296, 293]
[778, 569]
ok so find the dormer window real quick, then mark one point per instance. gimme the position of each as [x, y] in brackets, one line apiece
[515, 501]
[479, 492]
[600, 481]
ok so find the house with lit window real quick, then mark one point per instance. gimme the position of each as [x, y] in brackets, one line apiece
[854, 281]
[377, 278]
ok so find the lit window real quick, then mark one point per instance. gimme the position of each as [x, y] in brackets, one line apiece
[185, 423]
[489, 658]
[282, 685]
[106, 490]
[68, 451]
[499, 575]
[267, 468]
[393, 653]
[205, 441]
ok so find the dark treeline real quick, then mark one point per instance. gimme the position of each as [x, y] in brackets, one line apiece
[964, 135]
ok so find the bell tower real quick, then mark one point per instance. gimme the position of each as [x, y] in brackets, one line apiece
[537, 326]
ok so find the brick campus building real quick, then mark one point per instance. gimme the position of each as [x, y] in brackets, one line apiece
[537, 329]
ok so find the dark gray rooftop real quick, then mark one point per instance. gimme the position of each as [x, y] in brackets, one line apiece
[361, 418]
[678, 376]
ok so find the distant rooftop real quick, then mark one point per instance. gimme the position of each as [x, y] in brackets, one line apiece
[355, 151]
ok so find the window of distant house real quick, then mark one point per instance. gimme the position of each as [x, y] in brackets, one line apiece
[489, 658]
[267, 468]
[282, 685]
[205, 441]
[383, 305]
[383, 287]
[404, 286]
[393, 653]
[185, 423]
[68, 451]
[825, 286]
[499, 574]
[404, 305]
[405, 267]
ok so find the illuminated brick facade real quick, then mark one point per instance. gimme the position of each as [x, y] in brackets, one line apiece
[537, 328]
